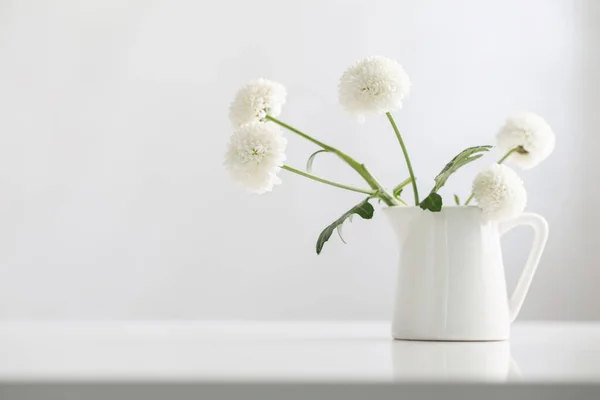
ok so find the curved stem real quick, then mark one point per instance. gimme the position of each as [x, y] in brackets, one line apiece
[508, 153]
[387, 198]
[355, 165]
[302, 134]
[402, 184]
[406, 157]
[328, 182]
[500, 161]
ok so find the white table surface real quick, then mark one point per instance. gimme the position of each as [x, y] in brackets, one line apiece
[288, 352]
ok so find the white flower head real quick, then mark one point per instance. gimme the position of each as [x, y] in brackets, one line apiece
[499, 193]
[374, 85]
[530, 134]
[254, 156]
[255, 100]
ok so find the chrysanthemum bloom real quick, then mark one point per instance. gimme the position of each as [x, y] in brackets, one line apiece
[255, 100]
[374, 85]
[254, 156]
[530, 134]
[499, 193]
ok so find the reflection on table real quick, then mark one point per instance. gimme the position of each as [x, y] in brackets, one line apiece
[463, 361]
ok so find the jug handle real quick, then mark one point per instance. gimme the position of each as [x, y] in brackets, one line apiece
[540, 230]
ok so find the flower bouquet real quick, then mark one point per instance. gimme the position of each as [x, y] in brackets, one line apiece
[378, 85]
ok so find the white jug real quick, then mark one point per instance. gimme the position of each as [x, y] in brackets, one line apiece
[450, 282]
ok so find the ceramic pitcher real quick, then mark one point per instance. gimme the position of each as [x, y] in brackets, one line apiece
[450, 281]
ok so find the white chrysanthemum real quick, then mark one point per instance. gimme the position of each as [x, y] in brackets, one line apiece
[499, 193]
[255, 100]
[530, 134]
[255, 154]
[374, 85]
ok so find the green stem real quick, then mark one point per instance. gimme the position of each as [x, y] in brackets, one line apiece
[387, 198]
[355, 165]
[500, 161]
[508, 153]
[402, 184]
[406, 157]
[469, 199]
[328, 182]
[302, 134]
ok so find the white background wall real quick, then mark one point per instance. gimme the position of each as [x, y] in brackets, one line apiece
[113, 123]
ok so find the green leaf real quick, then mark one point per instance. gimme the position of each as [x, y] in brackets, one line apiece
[463, 158]
[364, 209]
[456, 200]
[433, 202]
[310, 160]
